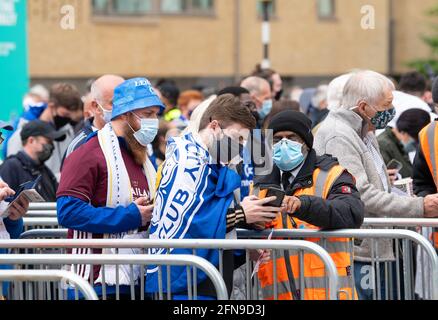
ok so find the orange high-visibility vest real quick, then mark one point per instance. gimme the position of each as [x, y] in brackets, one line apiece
[429, 147]
[314, 281]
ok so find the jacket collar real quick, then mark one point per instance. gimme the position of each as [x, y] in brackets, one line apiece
[353, 120]
[88, 126]
[29, 164]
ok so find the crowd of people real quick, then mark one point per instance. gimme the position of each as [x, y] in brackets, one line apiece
[133, 160]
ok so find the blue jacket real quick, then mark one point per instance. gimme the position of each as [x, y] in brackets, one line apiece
[33, 113]
[14, 228]
[76, 214]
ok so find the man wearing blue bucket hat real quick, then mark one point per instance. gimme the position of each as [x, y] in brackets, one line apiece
[107, 184]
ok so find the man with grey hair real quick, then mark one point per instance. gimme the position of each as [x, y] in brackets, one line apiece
[348, 134]
[335, 91]
[101, 106]
[261, 95]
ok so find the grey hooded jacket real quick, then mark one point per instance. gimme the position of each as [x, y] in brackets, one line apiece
[341, 135]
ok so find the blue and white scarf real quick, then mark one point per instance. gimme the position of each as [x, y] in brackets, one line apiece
[119, 193]
[191, 203]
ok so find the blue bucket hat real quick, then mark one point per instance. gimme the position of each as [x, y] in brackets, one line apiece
[6, 126]
[134, 94]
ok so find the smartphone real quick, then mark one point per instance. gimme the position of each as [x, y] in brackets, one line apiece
[25, 186]
[275, 192]
[395, 165]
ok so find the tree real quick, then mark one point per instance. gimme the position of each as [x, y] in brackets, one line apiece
[429, 66]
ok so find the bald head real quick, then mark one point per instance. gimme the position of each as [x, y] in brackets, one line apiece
[102, 89]
[255, 85]
[102, 93]
[259, 89]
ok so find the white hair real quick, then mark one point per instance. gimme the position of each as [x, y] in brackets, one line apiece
[320, 95]
[96, 92]
[255, 85]
[335, 91]
[40, 91]
[368, 86]
[103, 86]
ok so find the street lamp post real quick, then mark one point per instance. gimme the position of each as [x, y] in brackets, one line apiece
[266, 33]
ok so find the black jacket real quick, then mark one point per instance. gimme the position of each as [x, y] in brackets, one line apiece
[343, 208]
[423, 181]
[20, 168]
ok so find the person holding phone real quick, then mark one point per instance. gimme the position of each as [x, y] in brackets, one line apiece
[11, 226]
[108, 183]
[38, 138]
[319, 194]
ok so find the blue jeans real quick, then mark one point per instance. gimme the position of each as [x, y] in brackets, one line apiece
[366, 280]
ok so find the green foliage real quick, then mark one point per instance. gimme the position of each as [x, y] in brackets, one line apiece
[431, 41]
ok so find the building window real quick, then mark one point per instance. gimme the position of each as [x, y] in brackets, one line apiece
[122, 7]
[187, 6]
[326, 9]
[145, 7]
[272, 8]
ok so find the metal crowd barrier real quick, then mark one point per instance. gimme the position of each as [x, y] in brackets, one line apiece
[45, 234]
[17, 277]
[400, 222]
[120, 246]
[425, 227]
[42, 210]
[118, 260]
[35, 206]
[41, 215]
[404, 276]
[40, 223]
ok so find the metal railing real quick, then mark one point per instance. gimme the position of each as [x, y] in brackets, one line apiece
[40, 223]
[252, 287]
[45, 233]
[400, 222]
[42, 206]
[117, 260]
[19, 276]
[430, 286]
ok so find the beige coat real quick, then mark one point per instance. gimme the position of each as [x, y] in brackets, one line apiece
[341, 135]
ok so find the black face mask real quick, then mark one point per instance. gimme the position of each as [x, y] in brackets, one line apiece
[61, 122]
[279, 95]
[225, 150]
[46, 153]
[74, 123]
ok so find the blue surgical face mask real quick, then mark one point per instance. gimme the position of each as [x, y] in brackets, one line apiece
[382, 118]
[107, 115]
[410, 146]
[266, 109]
[148, 131]
[288, 155]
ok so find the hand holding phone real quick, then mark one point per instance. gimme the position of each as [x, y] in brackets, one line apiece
[30, 185]
[275, 192]
[258, 211]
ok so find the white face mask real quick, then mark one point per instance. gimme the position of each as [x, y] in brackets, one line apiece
[107, 115]
[148, 130]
